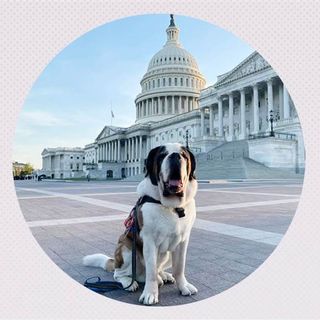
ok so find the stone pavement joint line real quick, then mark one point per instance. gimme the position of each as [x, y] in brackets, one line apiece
[245, 205]
[256, 235]
[249, 193]
[127, 208]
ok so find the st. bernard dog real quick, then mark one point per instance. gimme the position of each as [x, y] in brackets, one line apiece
[163, 239]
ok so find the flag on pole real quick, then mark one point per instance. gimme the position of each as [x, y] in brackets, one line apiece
[112, 115]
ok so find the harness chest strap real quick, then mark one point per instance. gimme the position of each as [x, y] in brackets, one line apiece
[144, 199]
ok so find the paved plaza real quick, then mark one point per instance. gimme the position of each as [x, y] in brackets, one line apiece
[238, 226]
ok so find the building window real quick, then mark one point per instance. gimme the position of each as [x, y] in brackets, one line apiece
[163, 82]
[169, 82]
[191, 83]
[187, 82]
[77, 166]
[71, 166]
[71, 157]
[158, 83]
[157, 139]
[77, 157]
[181, 81]
[175, 81]
[153, 84]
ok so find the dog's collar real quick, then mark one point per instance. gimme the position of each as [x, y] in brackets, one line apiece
[144, 199]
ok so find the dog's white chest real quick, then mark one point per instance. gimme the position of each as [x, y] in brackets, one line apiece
[164, 227]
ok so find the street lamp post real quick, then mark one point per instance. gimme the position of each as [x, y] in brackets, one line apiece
[272, 118]
[187, 136]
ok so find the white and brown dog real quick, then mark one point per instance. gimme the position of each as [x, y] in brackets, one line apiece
[164, 236]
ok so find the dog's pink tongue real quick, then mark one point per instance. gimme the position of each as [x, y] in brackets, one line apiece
[175, 183]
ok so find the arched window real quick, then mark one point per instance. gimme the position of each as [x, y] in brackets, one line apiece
[158, 83]
[169, 81]
[163, 82]
[175, 81]
[153, 84]
[191, 83]
[187, 82]
[181, 81]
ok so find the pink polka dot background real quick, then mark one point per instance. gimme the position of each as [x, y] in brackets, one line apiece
[286, 33]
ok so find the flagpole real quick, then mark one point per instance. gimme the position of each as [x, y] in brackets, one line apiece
[111, 112]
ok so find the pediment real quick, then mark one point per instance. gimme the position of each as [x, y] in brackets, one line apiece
[252, 64]
[106, 132]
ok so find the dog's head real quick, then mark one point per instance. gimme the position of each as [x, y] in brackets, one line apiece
[171, 167]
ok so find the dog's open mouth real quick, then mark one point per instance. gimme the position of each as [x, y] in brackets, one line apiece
[174, 186]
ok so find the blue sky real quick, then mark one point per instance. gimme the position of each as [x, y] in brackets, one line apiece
[70, 102]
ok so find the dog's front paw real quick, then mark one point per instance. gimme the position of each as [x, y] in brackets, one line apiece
[126, 281]
[167, 277]
[149, 296]
[187, 289]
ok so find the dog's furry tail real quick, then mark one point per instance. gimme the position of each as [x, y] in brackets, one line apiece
[100, 261]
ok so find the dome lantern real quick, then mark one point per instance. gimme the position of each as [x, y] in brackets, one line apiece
[172, 33]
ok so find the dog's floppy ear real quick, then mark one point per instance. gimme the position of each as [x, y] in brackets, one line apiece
[151, 166]
[192, 163]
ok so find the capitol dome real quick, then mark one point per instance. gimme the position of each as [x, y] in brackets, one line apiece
[172, 82]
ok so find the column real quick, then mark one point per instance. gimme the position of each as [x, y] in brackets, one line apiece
[166, 105]
[132, 149]
[140, 148]
[270, 100]
[193, 103]
[129, 149]
[242, 114]
[179, 105]
[202, 122]
[119, 154]
[109, 151]
[211, 120]
[152, 106]
[137, 111]
[286, 107]
[280, 91]
[255, 109]
[220, 119]
[231, 116]
[125, 149]
[159, 106]
[136, 148]
[173, 107]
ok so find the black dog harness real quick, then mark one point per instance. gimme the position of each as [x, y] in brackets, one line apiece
[133, 228]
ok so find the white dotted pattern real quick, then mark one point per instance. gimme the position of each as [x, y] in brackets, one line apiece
[286, 33]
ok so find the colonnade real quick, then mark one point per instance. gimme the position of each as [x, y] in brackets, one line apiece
[121, 150]
[283, 105]
[164, 105]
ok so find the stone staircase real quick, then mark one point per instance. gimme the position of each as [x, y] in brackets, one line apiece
[231, 161]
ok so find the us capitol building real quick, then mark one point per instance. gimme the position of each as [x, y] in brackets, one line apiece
[243, 126]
